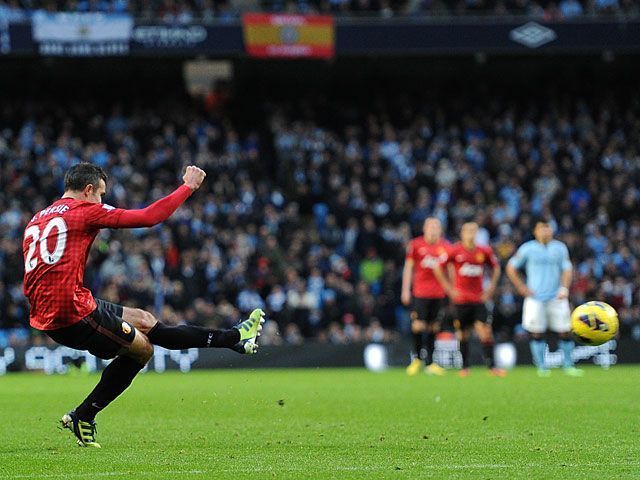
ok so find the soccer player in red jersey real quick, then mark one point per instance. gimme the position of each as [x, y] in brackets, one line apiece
[420, 285]
[56, 245]
[468, 262]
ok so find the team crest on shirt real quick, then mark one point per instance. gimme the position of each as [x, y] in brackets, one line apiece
[480, 257]
[126, 328]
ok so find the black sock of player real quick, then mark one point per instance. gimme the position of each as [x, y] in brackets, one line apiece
[464, 351]
[487, 351]
[417, 344]
[431, 345]
[189, 336]
[115, 379]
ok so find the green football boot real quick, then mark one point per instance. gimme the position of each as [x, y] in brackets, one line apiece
[85, 432]
[249, 333]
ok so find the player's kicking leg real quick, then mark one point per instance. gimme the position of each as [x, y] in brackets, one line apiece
[105, 334]
[242, 338]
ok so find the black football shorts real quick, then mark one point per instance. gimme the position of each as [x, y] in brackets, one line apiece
[468, 313]
[103, 333]
[429, 310]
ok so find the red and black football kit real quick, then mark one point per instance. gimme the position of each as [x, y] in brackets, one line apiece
[428, 294]
[469, 267]
[55, 247]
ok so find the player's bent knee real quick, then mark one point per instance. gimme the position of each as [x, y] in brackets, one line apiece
[145, 353]
[145, 320]
[141, 349]
[149, 321]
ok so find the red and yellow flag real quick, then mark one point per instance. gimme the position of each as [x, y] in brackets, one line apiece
[289, 36]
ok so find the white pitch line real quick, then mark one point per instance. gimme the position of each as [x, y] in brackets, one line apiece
[487, 466]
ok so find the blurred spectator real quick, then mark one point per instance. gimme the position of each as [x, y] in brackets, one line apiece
[571, 9]
[318, 240]
[187, 11]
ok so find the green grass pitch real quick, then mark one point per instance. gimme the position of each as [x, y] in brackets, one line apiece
[330, 424]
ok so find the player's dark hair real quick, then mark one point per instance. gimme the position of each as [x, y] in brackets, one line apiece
[81, 175]
[538, 220]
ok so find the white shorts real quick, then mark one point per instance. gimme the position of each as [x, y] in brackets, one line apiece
[539, 316]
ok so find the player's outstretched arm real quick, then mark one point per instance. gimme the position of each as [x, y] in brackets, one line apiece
[157, 212]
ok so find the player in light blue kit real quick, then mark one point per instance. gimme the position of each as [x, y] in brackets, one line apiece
[546, 304]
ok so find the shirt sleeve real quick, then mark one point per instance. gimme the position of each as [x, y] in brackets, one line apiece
[105, 216]
[520, 257]
[410, 251]
[566, 261]
[101, 215]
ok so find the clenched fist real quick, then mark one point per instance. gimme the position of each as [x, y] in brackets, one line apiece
[193, 177]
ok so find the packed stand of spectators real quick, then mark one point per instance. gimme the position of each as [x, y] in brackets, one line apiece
[187, 11]
[308, 218]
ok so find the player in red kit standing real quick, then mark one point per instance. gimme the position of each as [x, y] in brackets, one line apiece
[468, 262]
[56, 245]
[424, 293]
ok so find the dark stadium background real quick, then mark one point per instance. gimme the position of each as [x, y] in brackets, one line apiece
[454, 91]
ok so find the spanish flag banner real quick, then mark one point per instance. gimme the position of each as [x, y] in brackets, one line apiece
[289, 36]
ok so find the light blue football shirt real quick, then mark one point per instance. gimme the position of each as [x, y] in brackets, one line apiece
[543, 265]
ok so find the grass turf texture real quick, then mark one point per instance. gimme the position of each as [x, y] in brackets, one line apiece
[330, 424]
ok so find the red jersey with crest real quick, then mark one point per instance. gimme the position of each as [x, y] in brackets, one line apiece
[56, 245]
[425, 256]
[469, 266]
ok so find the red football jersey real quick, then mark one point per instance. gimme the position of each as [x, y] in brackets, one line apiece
[469, 268]
[426, 256]
[56, 245]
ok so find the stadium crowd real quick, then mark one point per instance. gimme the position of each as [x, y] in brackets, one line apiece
[184, 12]
[308, 217]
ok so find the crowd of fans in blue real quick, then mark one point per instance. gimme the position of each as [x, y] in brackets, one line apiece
[308, 216]
[184, 12]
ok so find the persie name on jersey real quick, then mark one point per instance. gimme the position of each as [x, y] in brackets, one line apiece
[59, 209]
